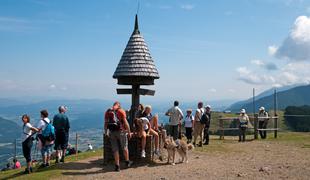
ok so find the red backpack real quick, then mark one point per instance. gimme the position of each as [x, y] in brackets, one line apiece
[113, 123]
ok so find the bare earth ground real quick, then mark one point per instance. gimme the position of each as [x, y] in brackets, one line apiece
[228, 160]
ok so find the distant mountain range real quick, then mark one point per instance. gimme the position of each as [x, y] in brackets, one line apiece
[9, 131]
[287, 96]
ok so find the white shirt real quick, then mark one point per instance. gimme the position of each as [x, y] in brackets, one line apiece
[188, 121]
[90, 147]
[26, 131]
[145, 123]
[175, 114]
[199, 113]
[42, 125]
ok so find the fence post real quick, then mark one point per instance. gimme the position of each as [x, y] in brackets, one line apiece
[255, 126]
[276, 127]
[76, 144]
[15, 149]
[221, 123]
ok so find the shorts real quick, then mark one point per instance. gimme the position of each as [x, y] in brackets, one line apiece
[46, 150]
[27, 145]
[61, 141]
[118, 138]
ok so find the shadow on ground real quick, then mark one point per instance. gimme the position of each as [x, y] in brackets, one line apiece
[97, 167]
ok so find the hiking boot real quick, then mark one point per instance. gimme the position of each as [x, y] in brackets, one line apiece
[47, 164]
[129, 163]
[31, 169]
[117, 168]
[206, 143]
[62, 159]
[200, 144]
[143, 154]
[57, 160]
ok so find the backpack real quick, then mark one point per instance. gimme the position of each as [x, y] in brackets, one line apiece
[204, 118]
[113, 123]
[49, 132]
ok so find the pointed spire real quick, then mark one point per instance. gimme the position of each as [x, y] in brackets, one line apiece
[136, 30]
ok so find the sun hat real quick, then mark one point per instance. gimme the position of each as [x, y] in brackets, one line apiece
[242, 111]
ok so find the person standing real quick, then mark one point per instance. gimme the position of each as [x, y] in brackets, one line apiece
[243, 124]
[62, 126]
[206, 133]
[46, 149]
[188, 121]
[262, 122]
[198, 126]
[27, 141]
[175, 116]
[117, 128]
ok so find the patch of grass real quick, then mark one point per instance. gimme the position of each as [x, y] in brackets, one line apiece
[50, 172]
[298, 139]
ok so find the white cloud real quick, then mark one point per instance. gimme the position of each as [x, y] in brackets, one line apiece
[267, 66]
[52, 86]
[212, 90]
[250, 77]
[272, 50]
[187, 7]
[296, 47]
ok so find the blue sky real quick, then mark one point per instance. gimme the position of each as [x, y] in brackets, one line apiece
[203, 49]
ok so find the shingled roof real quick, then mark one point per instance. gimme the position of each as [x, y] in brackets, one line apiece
[136, 60]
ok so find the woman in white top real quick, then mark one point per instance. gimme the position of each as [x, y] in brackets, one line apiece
[27, 141]
[189, 119]
[144, 128]
[243, 124]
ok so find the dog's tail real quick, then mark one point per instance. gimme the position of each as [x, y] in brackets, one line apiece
[190, 147]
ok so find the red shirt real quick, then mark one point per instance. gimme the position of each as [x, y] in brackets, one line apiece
[17, 165]
[120, 114]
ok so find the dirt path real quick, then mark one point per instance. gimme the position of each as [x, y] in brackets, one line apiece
[271, 160]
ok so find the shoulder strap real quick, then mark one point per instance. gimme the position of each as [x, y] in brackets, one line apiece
[45, 121]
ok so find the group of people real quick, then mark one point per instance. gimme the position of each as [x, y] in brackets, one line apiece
[244, 123]
[48, 134]
[16, 165]
[195, 125]
[117, 128]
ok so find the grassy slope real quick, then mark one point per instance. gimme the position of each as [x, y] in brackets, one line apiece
[52, 172]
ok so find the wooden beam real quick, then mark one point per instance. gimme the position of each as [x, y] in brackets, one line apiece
[144, 92]
[124, 91]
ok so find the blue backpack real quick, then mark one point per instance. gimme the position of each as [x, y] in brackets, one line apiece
[49, 132]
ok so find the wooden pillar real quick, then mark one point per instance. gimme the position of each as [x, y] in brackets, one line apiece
[276, 127]
[255, 126]
[221, 124]
[135, 101]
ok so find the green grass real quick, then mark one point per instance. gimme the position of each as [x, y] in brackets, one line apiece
[50, 172]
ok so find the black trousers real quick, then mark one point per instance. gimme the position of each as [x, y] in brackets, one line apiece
[27, 145]
[262, 125]
[206, 135]
[188, 133]
[242, 131]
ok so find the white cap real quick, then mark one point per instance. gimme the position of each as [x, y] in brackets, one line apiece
[262, 108]
[242, 111]
[208, 107]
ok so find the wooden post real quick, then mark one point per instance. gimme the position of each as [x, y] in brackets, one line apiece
[76, 144]
[221, 128]
[135, 101]
[15, 149]
[276, 127]
[256, 126]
